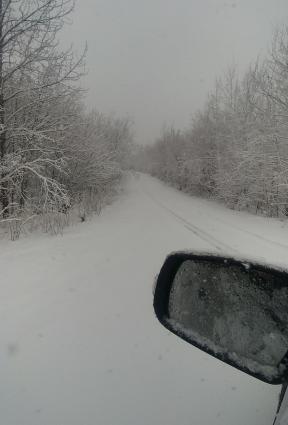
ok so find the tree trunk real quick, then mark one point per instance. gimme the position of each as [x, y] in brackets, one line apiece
[3, 144]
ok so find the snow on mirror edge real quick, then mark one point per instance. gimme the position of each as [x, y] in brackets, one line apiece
[228, 310]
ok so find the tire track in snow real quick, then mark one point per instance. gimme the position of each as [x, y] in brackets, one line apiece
[239, 229]
[200, 233]
[250, 233]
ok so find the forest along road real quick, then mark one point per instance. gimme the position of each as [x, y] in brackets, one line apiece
[80, 344]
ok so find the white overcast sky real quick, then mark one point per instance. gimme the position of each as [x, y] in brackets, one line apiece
[156, 60]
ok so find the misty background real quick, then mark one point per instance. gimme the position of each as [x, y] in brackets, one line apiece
[155, 61]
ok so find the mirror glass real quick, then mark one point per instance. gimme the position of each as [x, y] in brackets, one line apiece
[235, 310]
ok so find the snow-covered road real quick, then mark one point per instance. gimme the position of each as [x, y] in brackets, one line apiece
[79, 341]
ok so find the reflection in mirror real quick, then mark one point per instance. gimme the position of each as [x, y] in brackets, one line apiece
[232, 310]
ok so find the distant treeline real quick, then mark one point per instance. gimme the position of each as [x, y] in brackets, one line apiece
[236, 150]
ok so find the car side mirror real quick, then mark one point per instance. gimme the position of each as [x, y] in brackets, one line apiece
[235, 310]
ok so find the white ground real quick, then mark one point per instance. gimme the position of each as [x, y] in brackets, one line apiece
[79, 341]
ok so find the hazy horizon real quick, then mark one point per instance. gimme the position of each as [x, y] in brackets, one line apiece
[155, 61]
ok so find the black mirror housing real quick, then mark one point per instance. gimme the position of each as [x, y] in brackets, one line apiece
[194, 286]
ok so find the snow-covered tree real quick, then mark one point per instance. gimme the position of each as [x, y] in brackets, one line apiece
[236, 149]
[53, 152]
